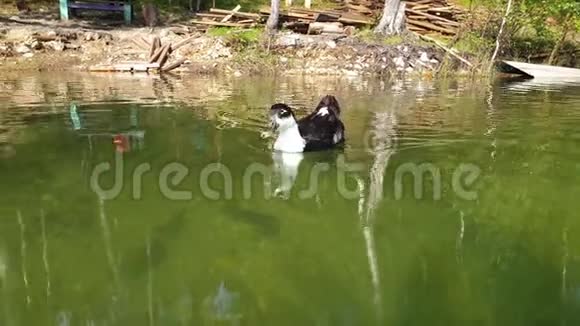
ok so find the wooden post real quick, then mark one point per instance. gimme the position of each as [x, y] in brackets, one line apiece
[128, 11]
[155, 44]
[63, 6]
[164, 55]
[157, 54]
[307, 3]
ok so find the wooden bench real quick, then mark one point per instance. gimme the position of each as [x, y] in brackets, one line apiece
[68, 6]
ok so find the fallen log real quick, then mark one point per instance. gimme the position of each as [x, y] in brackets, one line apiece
[298, 27]
[352, 21]
[419, 30]
[433, 17]
[432, 27]
[246, 21]
[146, 41]
[140, 43]
[236, 14]
[420, 7]
[164, 55]
[174, 65]
[420, 2]
[229, 16]
[447, 24]
[156, 55]
[298, 15]
[319, 28]
[211, 16]
[360, 9]
[214, 23]
[295, 14]
[325, 17]
[155, 44]
[183, 42]
[309, 11]
[441, 9]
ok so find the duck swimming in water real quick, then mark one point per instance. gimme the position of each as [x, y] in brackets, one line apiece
[320, 130]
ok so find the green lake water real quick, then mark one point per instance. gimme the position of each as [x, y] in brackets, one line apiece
[487, 232]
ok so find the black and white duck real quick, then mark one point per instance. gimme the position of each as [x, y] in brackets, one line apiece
[320, 130]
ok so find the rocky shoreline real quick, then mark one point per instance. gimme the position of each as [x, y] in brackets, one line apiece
[52, 46]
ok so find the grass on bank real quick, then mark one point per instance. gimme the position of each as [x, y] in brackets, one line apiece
[369, 36]
[250, 45]
[238, 38]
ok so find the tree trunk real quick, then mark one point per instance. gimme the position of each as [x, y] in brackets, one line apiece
[22, 6]
[499, 35]
[390, 10]
[150, 14]
[398, 25]
[560, 41]
[272, 23]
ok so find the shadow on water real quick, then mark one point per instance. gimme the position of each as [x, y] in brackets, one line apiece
[264, 224]
[135, 265]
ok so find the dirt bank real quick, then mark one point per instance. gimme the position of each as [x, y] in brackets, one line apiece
[48, 44]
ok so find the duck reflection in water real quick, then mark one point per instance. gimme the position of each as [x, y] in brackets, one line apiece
[223, 306]
[285, 172]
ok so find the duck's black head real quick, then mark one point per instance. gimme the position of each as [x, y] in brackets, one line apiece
[281, 115]
[331, 103]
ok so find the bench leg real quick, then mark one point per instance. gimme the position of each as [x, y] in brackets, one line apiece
[127, 13]
[63, 6]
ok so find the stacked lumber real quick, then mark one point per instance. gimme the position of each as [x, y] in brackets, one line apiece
[433, 16]
[297, 19]
[422, 16]
[310, 21]
[226, 18]
[159, 55]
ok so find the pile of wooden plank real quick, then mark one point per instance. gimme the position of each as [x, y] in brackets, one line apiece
[433, 16]
[310, 21]
[422, 16]
[297, 19]
[226, 18]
